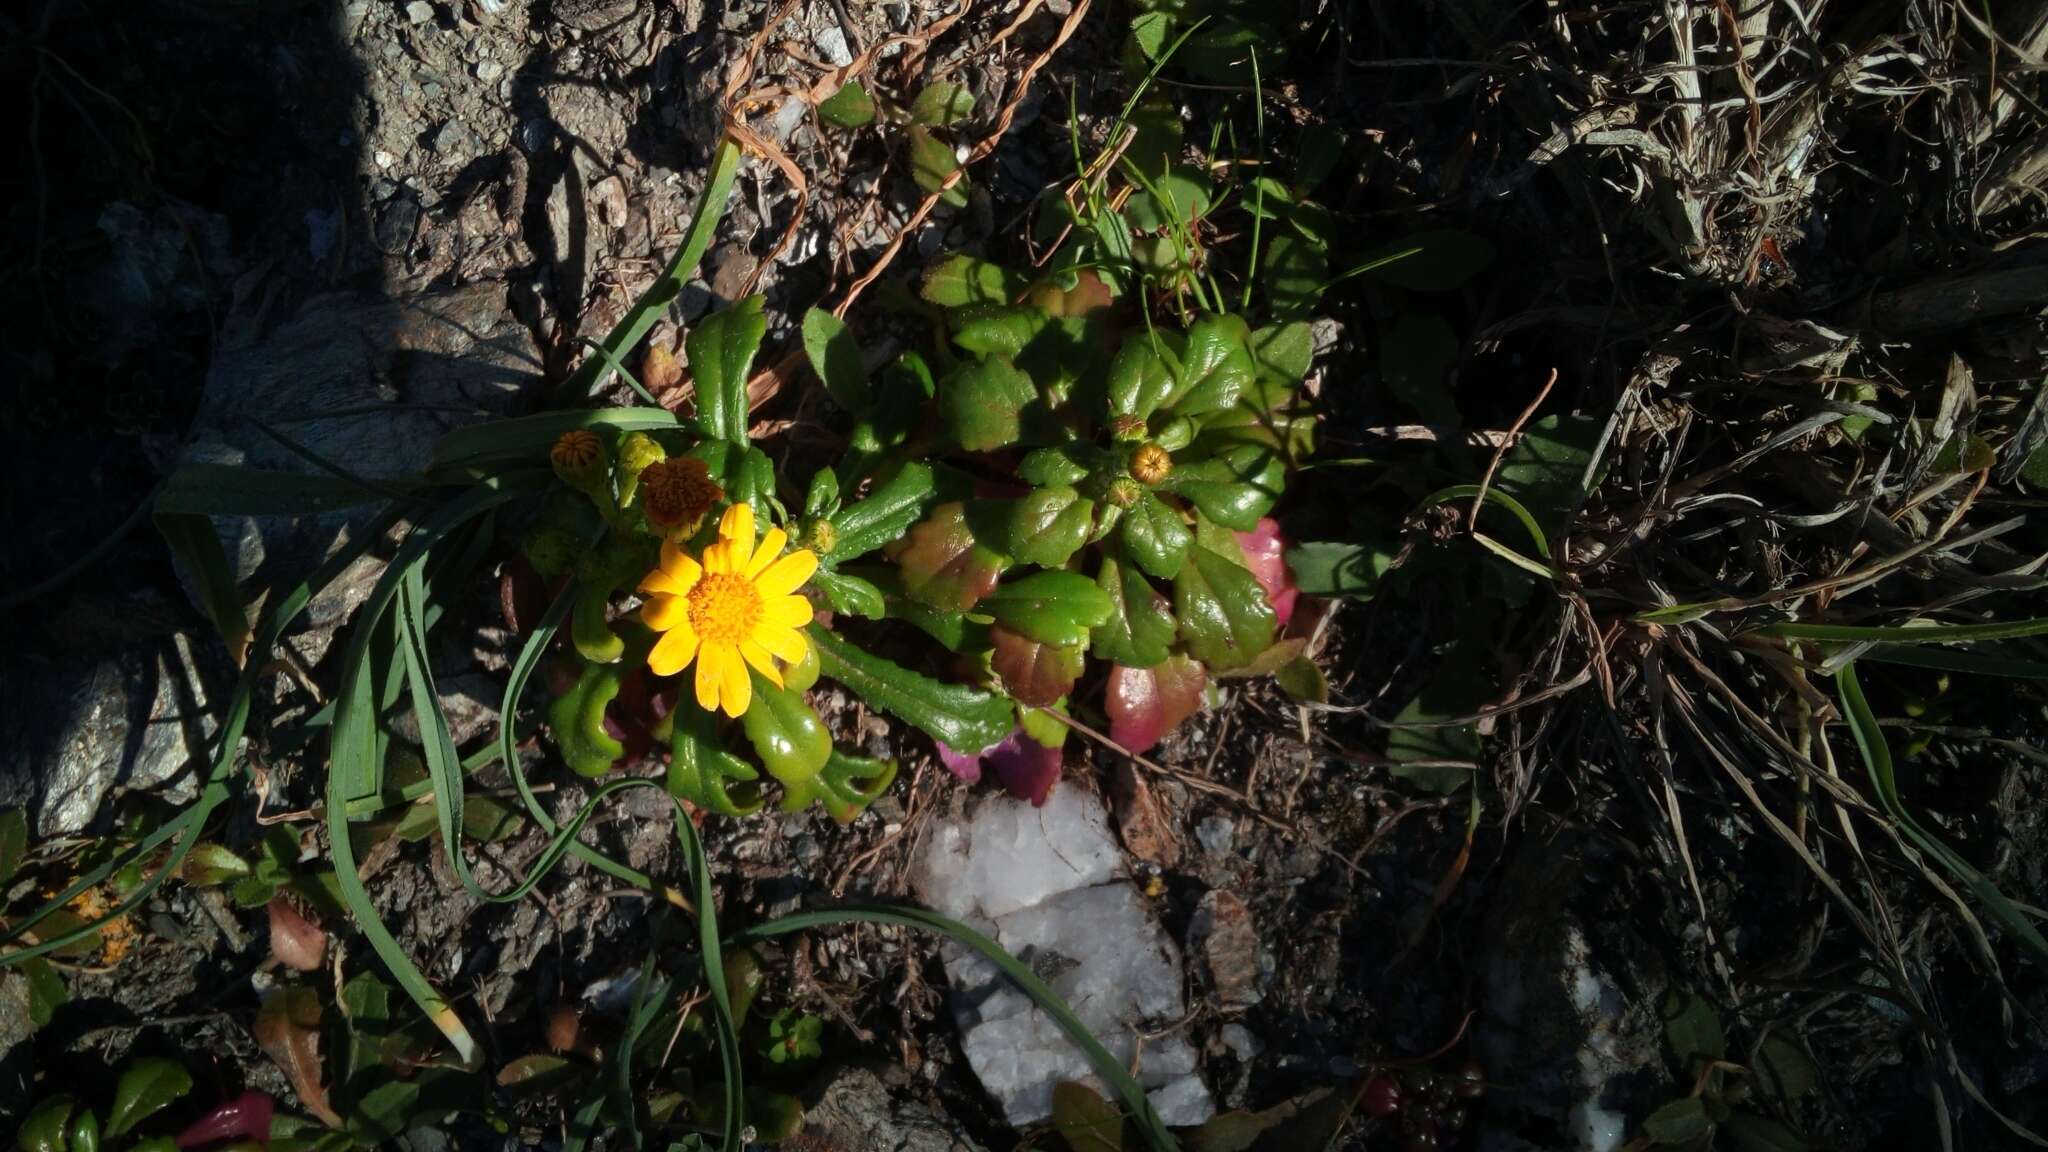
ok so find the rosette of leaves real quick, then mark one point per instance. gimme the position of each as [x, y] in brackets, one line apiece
[1092, 473]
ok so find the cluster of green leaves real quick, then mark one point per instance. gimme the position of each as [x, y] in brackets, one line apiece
[925, 123]
[62, 1123]
[1729, 1104]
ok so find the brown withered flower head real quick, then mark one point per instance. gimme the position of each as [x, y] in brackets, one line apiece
[676, 493]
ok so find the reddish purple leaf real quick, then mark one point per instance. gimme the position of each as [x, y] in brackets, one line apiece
[1037, 674]
[965, 765]
[246, 1117]
[1027, 768]
[1264, 550]
[297, 942]
[943, 565]
[1147, 703]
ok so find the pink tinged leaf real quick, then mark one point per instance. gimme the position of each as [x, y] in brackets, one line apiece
[965, 765]
[246, 1117]
[1147, 703]
[1264, 549]
[1027, 768]
[297, 942]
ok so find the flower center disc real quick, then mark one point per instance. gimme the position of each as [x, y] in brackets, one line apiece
[724, 606]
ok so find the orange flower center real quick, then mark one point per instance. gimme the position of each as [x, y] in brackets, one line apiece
[1150, 464]
[724, 606]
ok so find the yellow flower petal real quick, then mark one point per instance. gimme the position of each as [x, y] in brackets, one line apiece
[662, 612]
[787, 611]
[710, 667]
[759, 658]
[771, 547]
[736, 688]
[676, 576]
[736, 528]
[787, 574]
[787, 643]
[674, 651]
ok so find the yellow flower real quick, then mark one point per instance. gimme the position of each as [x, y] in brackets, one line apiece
[737, 607]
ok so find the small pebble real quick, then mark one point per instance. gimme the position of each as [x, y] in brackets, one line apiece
[419, 11]
[1216, 834]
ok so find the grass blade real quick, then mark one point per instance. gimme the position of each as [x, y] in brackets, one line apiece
[480, 450]
[1106, 1065]
[1877, 757]
[194, 541]
[1496, 496]
[1920, 634]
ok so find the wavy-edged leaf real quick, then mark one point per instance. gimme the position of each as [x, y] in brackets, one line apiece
[850, 595]
[943, 565]
[722, 348]
[1140, 628]
[1035, 672]
[787, 735]
[996, 329]
[1216, 366]
[982, 402]
[1144, 704]
[835, 357]
[1048, 525]
[1056, 608]
[1235, 488]
[1225, 619]
[959, 279]
[961, 716]
[1141, 378]
[702, 772]
[1155, 536]
[884, 515]
[1173, 199]
[1286, 350]
[845, 787]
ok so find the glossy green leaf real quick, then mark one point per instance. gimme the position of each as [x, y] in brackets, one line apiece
[846, 786]
[1049, 525]
[1061, 464]
[1448, 258]
[722, 348]
[982, 401]
[576, 720]
[1140, 628]
[1141, 378]
[85, 1131]
[1155, 536]
[1692, 1028]
[211, 865]
[941, 103]
[958, 280]
[963, 717]
[850, 595]
[849, 107]
[46, 991]
[1036, 673]
[1225, 618]
[145, 1088]
[1055, 608]
[701, 771]
[47, 1128]
[1235, 488]
[1286, 350]
[1338, 568]
[821, 499]
[787, 735]
[1679, 1122]
[996, 329]
[1216, 365]
[13, 842]
[835, 357]
[883, 515]
[931, 162]
[944, 565]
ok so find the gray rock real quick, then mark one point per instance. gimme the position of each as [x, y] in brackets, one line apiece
[419, 11]
[1216, 834]
[440, 359]
[856, 1112]
[1047, 884]
[136, 719]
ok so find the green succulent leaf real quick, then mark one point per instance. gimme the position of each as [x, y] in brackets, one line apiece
[1286, 350]
[577, 720]
[1035, 672]
[944, 565]
[835, 357]
[822, 497]
[1225, 618]
[884, 515]
[701, 771]
[849, 107]
[85, 1132]
[942, 103]
[1067, 464]
[722, 349]
[982, 403]
[1141, 378]
[931, 161]
[1234, 488]
[959, 280]
[1004, 330]
[1049, 525]
[145, 1088]
[46, 991]
[963, 717]
[1056, 608]
[1140, 629]
[786, 733]
[850, 595]
[846, 786]
[47, 1127]
[1215, 367]
[1157, 538]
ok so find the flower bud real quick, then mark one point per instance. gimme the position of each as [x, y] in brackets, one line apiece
[1123, 492]
[579, 458]
[637, 453]
[1150, 464]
